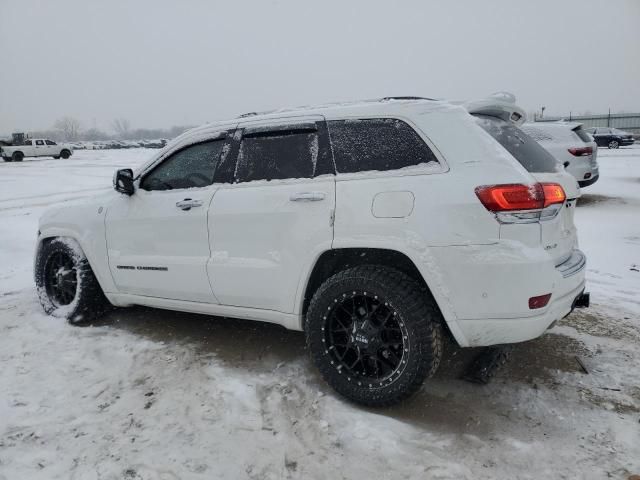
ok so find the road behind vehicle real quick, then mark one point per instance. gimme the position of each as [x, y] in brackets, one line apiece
[375, 227]
[571, 145]
[611, 137]
[35, 147]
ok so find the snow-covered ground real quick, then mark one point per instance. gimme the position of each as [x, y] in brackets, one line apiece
[149, 394]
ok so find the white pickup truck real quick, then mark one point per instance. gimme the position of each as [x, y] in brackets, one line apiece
[36, 147]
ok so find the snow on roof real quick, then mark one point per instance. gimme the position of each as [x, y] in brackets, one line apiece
[392, 106]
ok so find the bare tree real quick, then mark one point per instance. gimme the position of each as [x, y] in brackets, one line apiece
[68, 127]
[121, 126]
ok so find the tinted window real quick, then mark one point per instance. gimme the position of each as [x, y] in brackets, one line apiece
[537, 134]
[49, 142]
[39, 142]
[28, 142]
[273, 155]
[376, 144]
[584, 136]
[191, 167]
[525, 149]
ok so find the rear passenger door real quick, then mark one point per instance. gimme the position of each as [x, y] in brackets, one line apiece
[275, 216]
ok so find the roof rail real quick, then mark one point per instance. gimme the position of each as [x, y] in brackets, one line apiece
[386, 99]
[248, 114]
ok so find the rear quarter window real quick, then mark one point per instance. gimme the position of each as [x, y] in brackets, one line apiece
[529, 153]
[376, 144]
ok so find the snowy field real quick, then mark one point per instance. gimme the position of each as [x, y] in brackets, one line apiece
[149, 394]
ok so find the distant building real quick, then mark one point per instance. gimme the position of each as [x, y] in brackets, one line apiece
[629, 122]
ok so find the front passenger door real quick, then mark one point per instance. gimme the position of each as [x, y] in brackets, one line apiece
[157, 239]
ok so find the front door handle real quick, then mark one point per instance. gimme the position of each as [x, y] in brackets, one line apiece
[307, 197]
[187, 204]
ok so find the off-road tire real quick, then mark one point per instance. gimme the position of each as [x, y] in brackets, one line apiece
[414, 307]
[613, 144]
[17, 156]
[89, 302]
[65, 154]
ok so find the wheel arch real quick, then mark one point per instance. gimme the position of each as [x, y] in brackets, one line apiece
[102, 275]
[332, 261]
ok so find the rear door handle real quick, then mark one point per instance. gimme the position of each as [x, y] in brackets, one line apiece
[188, 203]
[307, 197]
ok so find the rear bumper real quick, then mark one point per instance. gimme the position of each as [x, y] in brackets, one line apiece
[494, 309]
[590, 181]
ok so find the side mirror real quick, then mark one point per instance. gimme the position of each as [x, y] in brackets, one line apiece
[566, 164]
[123, 181]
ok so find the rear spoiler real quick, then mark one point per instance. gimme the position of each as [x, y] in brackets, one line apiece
[501, 105]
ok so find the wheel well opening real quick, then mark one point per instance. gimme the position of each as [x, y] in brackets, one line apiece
[334, 261]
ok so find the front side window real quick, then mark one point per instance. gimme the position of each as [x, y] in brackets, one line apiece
[49, 142]
[277, 154]
[531, 155]
[191, 167]
[376, 144]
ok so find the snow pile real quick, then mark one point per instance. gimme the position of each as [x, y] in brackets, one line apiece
[150, 394]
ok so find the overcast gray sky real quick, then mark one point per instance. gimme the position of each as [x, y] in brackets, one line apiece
[162, 63]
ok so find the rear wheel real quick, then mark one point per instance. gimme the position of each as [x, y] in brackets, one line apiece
[613, 144]
[17, 156]
[374, 334]
[66, 284]
[65, 154]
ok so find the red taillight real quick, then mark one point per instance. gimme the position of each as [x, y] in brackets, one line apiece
[580, 151]
[539, 301]
[500, 198]
[553, 193]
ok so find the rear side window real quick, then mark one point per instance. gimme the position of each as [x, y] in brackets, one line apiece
[277, 155]
[376, 144]
[49, 142]
[531, 155]
[39, 142]
[537, 134]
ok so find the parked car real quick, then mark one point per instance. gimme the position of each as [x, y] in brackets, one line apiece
[571, 145]
[611, 137]
[36, 147]
[376, 227]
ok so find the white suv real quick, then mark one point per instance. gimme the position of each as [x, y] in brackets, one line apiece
[374, 227]
[571, 146]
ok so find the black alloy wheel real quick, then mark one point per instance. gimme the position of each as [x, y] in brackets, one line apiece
[366, 339]
[61, 279]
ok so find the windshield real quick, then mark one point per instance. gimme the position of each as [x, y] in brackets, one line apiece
[525, 149]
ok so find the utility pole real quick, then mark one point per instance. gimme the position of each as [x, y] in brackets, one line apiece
[609, 118]
[542, 112]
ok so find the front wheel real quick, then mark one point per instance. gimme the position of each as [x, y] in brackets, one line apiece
[65, 154]
[7, 159]
[66, 284]
[17, 156]
[374, 334]
[613, 144]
